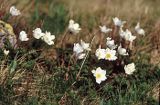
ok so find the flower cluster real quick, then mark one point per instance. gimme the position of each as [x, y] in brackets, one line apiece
[112, 52]
[47, 37]
[38, 34]
[106, 54]
[112, 49]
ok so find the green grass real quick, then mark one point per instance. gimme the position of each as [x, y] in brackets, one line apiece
[51, 87]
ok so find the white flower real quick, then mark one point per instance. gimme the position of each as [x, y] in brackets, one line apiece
[37, 33]
[130, 68]
[23, 36]
[100, 53]
[118, 22]
[104, 29]
[13, 11]
[74, 27]
[127, 35]
[139, 30]
[99, 74]
[110, 43]
[84, 45]
[77, 48]
[6, 52]
[110, 54]
[121, 32]
[48, 38]
[122, 51]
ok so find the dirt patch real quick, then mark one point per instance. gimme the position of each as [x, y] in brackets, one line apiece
[155, 41]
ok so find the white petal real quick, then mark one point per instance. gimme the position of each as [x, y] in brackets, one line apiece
[93, 71]
[37, 33]
[78, 48]
[13, 11]
[74, 27]
[130, 68]
[81, 56]
[23, 36]
[84, 45]
[98, 81]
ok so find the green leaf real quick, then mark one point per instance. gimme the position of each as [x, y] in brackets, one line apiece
[13, 66]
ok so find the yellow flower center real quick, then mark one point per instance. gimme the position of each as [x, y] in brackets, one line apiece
[98, 75]
[108, 56]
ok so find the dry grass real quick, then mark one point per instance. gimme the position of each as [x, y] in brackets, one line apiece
[155, 92]
[126, 9]
[139, 10]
